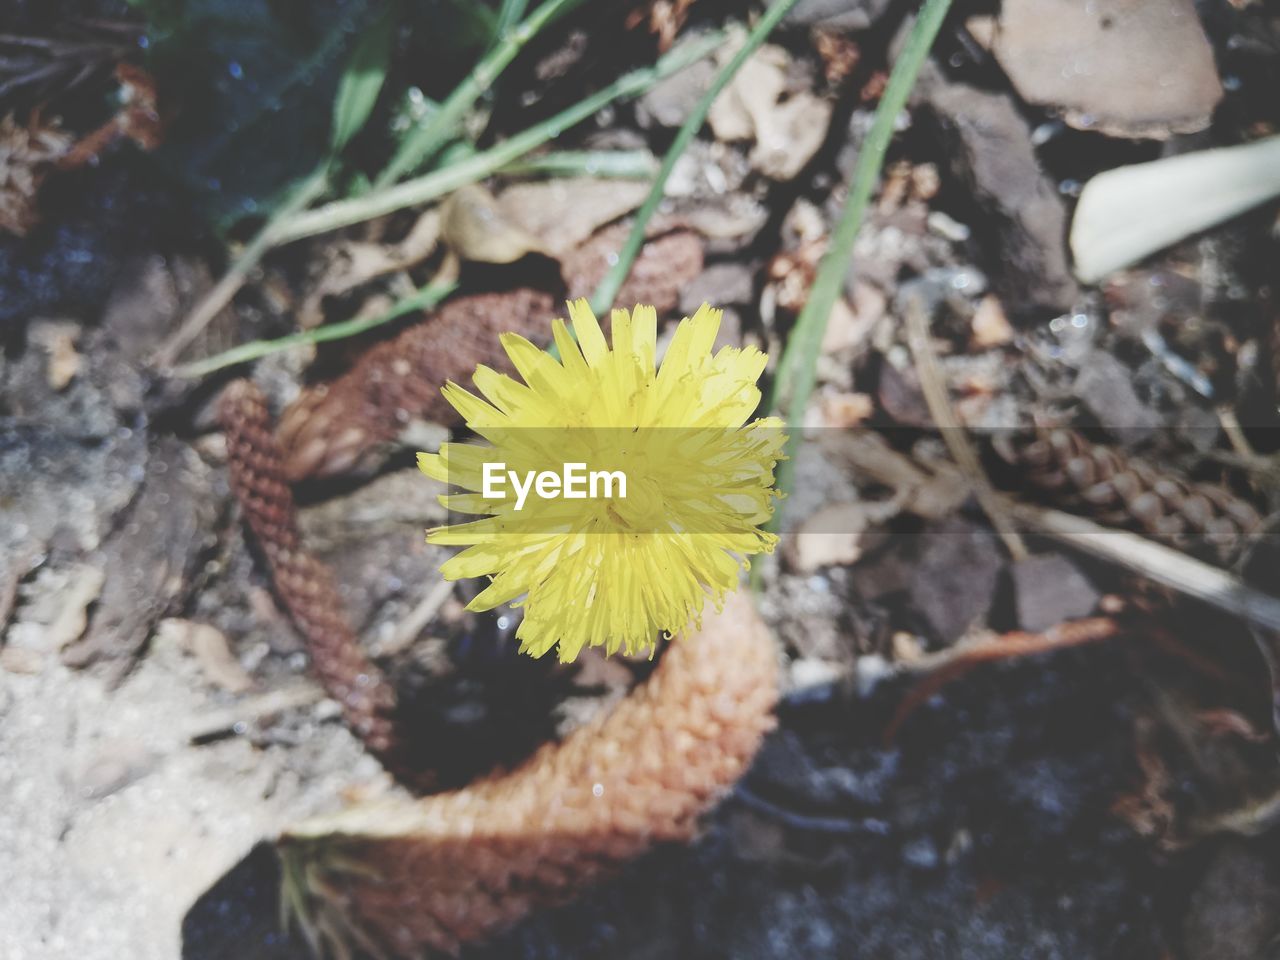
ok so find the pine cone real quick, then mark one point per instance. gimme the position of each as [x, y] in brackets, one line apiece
[1129, 492]
[303, 583]
[396, 876]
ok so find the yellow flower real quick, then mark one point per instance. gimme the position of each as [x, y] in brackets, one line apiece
[685, 483]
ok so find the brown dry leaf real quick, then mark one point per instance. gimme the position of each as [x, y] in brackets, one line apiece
[475, 227]
[665, 18]
[834, 536]
[839, 53]
[563, 213]
[27, 154]
[787, 130]
[138, 119]
[353, 264]
[210, 648]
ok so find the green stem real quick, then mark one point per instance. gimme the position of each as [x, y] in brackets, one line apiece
[427, 140]
[797, 368]
[344, 213]
[608, 289]
[423, 299]
[220, 295]
[619, 164]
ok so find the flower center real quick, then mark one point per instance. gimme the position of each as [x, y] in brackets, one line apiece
[642, 508]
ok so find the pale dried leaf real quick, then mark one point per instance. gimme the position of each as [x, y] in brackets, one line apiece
[562, 213]
[475, 228]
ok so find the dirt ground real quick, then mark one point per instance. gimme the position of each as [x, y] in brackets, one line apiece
[980, 754]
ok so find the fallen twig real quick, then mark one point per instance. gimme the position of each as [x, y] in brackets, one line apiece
[933, 385]
[962, 659]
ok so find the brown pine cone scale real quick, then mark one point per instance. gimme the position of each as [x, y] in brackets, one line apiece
[1130, 492]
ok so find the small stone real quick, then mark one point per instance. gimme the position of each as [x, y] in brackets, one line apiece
[1049, 589]
[991, 151]
[990, 326]
[953, 584]
[842, 15]
[1234, 913]
[672, 99]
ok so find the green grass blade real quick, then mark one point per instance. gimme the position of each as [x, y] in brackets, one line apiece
[797, 368]
[423, 299]
[431, 186]
[362, 80]
[608, 289]
[421, 145]
[615, 164]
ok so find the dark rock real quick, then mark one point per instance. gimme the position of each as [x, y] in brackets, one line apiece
[1050, 589]
[989, 142]
[149, 558]
[1234, 913]
[955, 580]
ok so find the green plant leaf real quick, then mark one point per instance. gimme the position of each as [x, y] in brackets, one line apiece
[362, 80]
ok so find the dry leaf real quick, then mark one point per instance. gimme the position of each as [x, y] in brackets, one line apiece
[564, 213]
[55, 608]
[210, 648]
[475, 228]
[27, 154]
[787, 130]
[834, 536]
[353, 264]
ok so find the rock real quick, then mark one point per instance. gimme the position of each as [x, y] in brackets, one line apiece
[719, 284]
[1234, 913]
[953, 584]
[150, 558]
[1049, 589]
[1105, 387]
[670, 100]
[840, 15]
[1125, 68]
[991, 151]
[834, 536]
[989, 326]
[563, 212]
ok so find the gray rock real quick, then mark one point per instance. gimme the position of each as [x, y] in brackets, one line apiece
[843, 15]
[989, 142]
[1049, 589]
[671, 100]
[955, 580]
[1234, 913]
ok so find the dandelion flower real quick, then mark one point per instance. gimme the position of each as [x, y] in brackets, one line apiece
[618, 563]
